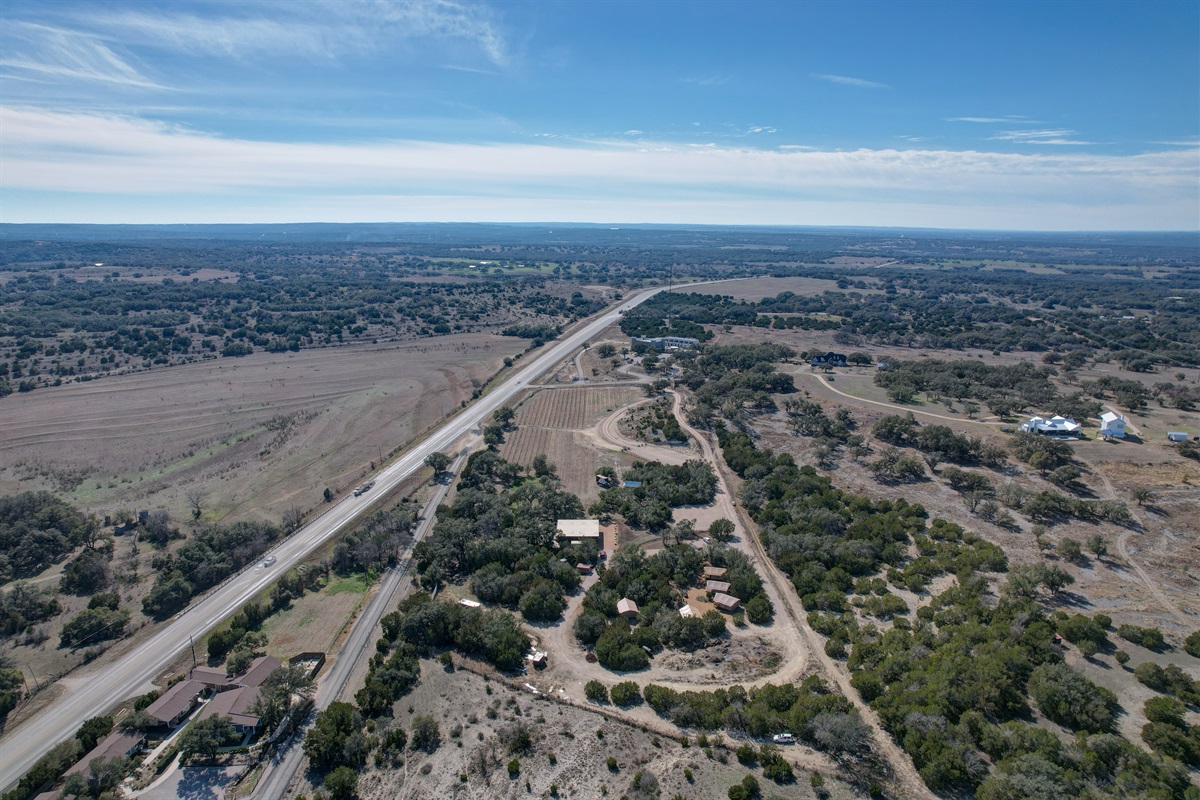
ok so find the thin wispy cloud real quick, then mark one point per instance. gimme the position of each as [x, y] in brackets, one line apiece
[1012, 119]
[708, 80]
[53, 52]
[1042, 136]
[846, 80]
[323, 30]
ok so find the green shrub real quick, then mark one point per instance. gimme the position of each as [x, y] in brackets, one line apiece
[596, 692]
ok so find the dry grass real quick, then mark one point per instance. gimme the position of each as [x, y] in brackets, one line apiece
[760, 288]
[464, 704]
[258, 434]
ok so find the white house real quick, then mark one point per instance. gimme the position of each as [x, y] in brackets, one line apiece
[1112, 425]
[1055, 426]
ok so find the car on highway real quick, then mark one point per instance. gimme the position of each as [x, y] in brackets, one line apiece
[269, 561]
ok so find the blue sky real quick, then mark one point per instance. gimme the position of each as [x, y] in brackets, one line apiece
[1005, 115]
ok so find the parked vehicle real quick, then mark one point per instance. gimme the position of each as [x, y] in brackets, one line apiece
[783, 738]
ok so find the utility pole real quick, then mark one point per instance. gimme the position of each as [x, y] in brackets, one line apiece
[193, 646]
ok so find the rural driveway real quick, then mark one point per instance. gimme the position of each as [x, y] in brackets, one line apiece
[108, 685]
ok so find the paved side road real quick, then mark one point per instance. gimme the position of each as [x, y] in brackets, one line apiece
[280, 772]
[103, 687]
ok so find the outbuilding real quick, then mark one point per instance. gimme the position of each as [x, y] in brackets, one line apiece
[1177, 436]
[1112, 425]
[715, 587]
[725, 602]
[627, 608]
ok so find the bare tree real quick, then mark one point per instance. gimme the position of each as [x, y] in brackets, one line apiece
[292, 518]
[196, 498]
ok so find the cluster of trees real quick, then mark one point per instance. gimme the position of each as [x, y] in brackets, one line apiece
[816, 716]
[938, 442]
[102, 620]
[961, 655]
[1167, 731]
[829, 434]
[500, 534]
[59, 328]
[213, 553]
[658, 585]
[730, 378]
[664, 486]
[1169, 680]
[375, 543]
[422, 624]
[36, 530]
[23, 607]
[648, 322]
[1003, 388]
[657, 423]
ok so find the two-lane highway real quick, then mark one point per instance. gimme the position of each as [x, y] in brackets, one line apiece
[106, 686]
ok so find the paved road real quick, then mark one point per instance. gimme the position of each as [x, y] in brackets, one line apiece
[104, 687]
[280, 772]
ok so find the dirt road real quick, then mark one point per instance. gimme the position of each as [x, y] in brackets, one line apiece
[825, 383]
[1123, 549]
[784, 598]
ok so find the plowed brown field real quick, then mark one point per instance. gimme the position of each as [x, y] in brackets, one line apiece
[551, 423]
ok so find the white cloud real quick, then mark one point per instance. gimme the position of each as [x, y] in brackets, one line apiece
[1011, 119]
[321, 29]
[129, 162]
[1046, 136]
[51, 52]
[846, 80]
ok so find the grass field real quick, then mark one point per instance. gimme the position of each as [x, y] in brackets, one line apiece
[758, 288]
[257, 435]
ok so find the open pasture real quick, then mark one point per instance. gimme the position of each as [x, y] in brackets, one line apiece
[755, 289]
[255, 435]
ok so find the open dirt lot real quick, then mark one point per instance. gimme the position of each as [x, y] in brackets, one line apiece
[258, 434]
[475, 715]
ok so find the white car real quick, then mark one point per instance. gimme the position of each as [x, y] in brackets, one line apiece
[783, 738]
[269, 561]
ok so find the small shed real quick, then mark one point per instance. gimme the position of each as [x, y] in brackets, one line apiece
[1177, 436]
[538, 658]
[714, 573]
[584, 569]
[626, 607]
[687, 612]
[470, 603]
[716, 587]
[725, 602]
